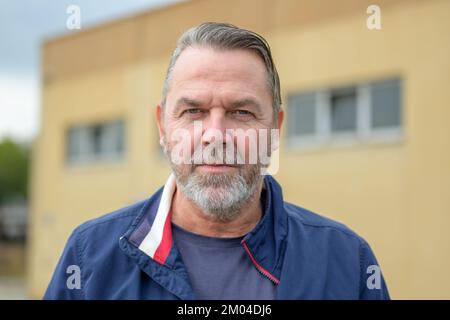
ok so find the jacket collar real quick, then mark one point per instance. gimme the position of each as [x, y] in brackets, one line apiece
[150, 234]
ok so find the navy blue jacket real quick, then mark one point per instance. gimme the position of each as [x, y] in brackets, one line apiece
[129, 254]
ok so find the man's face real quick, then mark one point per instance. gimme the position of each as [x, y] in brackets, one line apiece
[211, 95]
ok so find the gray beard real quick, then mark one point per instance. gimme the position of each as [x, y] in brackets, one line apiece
[219, 195]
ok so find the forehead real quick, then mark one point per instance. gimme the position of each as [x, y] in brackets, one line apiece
[203, 69]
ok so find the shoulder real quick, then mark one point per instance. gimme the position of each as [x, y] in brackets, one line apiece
[317, 225]
[334, 251]
[110, 226]
[93, 248]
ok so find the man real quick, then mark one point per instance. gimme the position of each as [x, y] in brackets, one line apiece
[219, 228]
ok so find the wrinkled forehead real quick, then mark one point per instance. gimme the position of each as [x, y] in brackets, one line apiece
[202, 69]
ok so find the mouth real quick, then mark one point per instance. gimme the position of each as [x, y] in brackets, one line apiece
[216, 168]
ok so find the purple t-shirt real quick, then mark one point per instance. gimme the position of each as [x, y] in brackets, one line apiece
[220, 269]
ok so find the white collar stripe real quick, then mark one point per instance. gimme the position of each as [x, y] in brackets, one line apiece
[153, 239]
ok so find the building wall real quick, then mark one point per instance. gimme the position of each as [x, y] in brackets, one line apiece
[395, 195]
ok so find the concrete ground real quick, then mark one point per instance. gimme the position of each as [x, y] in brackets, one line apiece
[12, 288]
[12, 271]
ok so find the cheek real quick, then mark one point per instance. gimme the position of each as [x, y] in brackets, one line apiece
[254, 146]
[181, 143]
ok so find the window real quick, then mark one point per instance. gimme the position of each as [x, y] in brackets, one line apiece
[367, 112]
[302, 118]
[95, 142]
[385, 104]
[343, 110]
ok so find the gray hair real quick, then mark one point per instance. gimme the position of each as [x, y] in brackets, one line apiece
[227, 36]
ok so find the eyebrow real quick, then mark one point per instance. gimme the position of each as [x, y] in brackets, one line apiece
[246, 102]
[185, 101]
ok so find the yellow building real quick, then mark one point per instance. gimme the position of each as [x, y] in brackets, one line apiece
[366, 139]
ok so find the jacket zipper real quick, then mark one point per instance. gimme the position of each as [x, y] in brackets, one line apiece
[260, 269]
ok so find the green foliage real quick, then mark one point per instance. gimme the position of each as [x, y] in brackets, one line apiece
[14, 169]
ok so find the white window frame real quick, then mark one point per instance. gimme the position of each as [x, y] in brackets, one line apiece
[89, 156]
[364, 133]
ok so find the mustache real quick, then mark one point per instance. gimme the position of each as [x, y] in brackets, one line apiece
[211, 154]
[217, 154]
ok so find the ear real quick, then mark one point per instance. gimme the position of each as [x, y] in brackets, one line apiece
[280, 119]
[160, 122]
[275, 140]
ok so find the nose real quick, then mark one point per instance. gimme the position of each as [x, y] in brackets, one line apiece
[214, 127]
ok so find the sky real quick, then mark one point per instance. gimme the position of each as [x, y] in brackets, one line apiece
[24, 25]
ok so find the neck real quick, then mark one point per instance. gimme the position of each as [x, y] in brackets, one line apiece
[189, 216]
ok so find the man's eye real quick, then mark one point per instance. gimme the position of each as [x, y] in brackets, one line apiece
[242, 113]
[192, 111]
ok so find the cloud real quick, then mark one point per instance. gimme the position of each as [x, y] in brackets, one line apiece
[19, 99]
[24, 24]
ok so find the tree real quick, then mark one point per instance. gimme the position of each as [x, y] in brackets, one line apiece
[14, 169]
